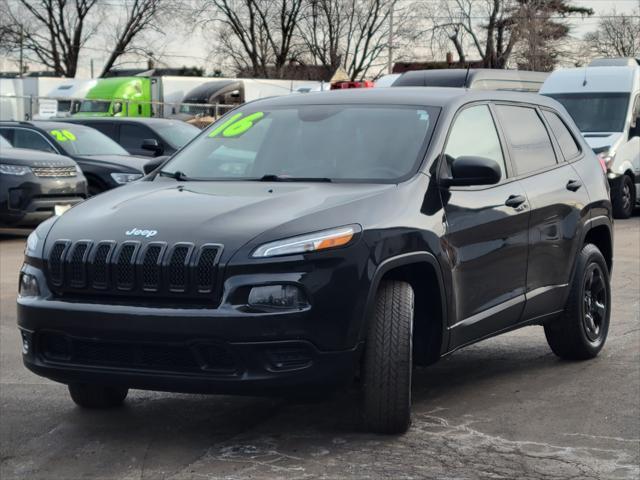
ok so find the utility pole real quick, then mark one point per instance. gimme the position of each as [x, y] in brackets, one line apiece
[390, 62]
[91, 63]
[21, 51]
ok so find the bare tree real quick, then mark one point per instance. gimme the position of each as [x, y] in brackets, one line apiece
[352, 34]
[52, 32]
[493, 28]
[618, 35]
[255, 33]
[139, 16]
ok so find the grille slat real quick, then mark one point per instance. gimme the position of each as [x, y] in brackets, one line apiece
[125, 269]
[206, 269]
[181, 272]
[54, 171]
[76, 264]
[56, 263]
[151, 268]
[100, 266]
[177, 271]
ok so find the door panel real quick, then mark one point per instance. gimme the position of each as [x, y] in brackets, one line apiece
[487, 242]
[557, 200]
[556, 219]
[486, 235]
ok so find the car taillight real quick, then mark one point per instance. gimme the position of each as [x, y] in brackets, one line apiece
[603, 164]
[343, 85]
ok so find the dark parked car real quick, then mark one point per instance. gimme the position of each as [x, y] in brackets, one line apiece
[36, 185]
[302, 241]
[104, 163]
[149, 137]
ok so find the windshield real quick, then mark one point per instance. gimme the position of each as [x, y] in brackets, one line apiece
[335, 142]
[176, 134]
[595, 112]
[79, 140]
[4, 143]
[99, 106]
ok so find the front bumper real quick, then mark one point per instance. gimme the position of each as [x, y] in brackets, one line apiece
[28, 200]
[197, 350]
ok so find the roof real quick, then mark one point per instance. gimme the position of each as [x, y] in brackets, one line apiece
[43, 124]
[144, 120]
[204, 91]
[459, 77]
[591, 79]
[415, 96]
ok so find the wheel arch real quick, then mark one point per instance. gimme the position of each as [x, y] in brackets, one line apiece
[422, 271]
[599, 232]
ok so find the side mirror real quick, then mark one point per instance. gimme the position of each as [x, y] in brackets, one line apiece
[468, 171]
[152, 165]
[152, 145]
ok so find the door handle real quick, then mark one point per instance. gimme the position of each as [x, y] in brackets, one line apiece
[515, 201]
[574, 185]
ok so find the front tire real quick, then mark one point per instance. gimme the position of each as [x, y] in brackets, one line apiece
[386, 371]
[625, 199]
[582, 330]
[97, 396]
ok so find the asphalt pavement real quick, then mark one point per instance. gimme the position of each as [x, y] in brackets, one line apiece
[505, 408]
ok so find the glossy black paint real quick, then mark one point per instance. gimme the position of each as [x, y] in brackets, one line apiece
[492, 257]
[97, 168]
[26, 200]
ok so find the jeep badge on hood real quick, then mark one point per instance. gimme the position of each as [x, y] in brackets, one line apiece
[136, 232]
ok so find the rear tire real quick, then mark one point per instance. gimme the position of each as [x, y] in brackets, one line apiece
[582, 330]
[625, 199]
[387, 364]
[97, 396]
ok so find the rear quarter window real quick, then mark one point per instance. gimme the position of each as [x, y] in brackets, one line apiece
[530, 145]
[567, 142]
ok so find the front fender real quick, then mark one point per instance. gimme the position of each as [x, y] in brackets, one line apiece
[402, 260]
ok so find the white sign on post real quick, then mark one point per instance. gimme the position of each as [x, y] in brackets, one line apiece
[47, 108]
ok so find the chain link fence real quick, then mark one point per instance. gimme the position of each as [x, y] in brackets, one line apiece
[31, 107]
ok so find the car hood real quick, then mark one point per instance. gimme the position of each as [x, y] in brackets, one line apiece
[34, 158]
[230, 213]
[602, 140]
[136, 163]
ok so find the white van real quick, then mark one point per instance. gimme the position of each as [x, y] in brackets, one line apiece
[604, 102]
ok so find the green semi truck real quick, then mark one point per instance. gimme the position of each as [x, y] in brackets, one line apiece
[137, 96]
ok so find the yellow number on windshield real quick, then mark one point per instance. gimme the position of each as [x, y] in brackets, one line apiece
[236, 125]
[63, 135]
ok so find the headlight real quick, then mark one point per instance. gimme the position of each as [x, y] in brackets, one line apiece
[14, 169]
[122, 178]
[336, 237]
[32, 244]
[28, 286]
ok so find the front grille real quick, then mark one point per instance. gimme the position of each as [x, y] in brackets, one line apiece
[54, 171]
[59, 348]
[182, 271]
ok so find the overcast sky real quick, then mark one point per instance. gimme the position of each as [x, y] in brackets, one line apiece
[190, 48]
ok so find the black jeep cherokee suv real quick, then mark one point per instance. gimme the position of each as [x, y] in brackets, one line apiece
[304, 241]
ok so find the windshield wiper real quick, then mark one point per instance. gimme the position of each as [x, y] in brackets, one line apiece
[271, 177]
[178, 175]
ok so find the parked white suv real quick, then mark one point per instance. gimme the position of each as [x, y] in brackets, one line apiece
[604, 102]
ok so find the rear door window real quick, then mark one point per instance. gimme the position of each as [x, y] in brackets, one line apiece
[474, 134]
[108, 128]
[23, 138]
[531, 148]
[568, 145]
[131, 136]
